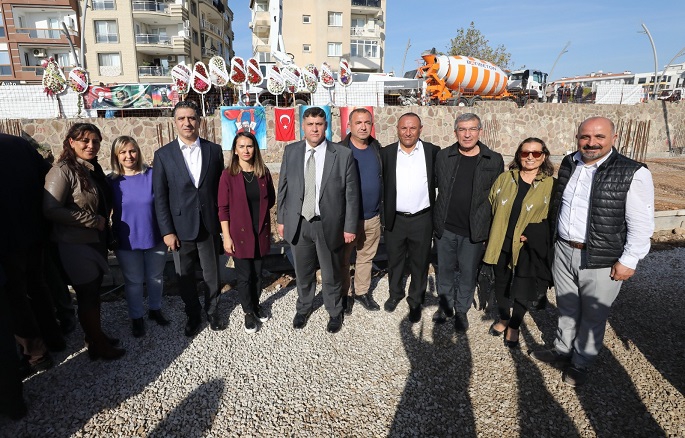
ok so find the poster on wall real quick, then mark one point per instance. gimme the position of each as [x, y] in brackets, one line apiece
[235, 119]
[345, 117]
[327, 110]
[133, 96]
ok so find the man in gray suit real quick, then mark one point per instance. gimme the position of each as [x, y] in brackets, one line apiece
[186, 184]
[318, 211]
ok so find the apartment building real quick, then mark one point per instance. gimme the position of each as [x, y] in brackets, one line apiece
[140, 41]
[317, 31]
[32, 30]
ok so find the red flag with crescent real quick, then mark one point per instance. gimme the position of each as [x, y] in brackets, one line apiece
[284, 119]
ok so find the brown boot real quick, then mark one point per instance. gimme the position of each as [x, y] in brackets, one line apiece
[98, 344]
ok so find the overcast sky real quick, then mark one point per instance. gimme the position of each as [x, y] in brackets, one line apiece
[604, 34]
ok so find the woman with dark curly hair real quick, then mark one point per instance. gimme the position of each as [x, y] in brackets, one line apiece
[520, 201]
[77, 200]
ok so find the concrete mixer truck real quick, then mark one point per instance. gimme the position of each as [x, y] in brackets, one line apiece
[462, 80]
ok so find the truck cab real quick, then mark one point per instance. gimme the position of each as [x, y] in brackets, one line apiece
[531, 83]
[675, 95]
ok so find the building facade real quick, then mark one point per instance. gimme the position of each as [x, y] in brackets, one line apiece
[324, 31]
[31, 31]
[140, 41]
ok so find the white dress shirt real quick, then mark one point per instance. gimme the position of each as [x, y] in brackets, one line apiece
[320, 158]
[573, 214]
[192, 155]
[412, 180]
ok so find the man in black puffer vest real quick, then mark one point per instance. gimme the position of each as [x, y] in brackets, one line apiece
[602, 219]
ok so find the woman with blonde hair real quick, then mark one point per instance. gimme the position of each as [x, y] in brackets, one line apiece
[246, 194]
[140, 248]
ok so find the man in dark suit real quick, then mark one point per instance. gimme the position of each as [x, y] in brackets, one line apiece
[409, 195]
[186, 183]
[318, 212]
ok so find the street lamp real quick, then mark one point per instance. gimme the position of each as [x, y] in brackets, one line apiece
[656, 63]
[677, 55]
[564, 50]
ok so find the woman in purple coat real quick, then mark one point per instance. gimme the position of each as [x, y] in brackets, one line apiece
[246, 195]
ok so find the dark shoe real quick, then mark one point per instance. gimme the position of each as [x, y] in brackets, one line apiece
[551, 356]
[215, 322]
[367, 302]
[334, 324]
[158, 317]
[250, 323]
[461, 322]
[301, 319]
[100, 346]
[574, 375]
[261, 315]
[348, 303]
[415, 314]
[391, 304]
[508, 343]
[104, 351]
[26, 369]
[493, 331]
[138, 327]
[192, 327]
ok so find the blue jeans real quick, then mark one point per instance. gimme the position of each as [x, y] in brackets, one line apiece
[143, 266]
[457, 254]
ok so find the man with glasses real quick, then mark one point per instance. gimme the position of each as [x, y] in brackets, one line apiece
[465, 173]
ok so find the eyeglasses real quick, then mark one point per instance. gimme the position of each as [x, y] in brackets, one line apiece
[535, 154]
[472, 129]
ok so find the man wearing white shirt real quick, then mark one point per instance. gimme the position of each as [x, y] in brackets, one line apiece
[186, 184]
[409, 194]
[603, 218]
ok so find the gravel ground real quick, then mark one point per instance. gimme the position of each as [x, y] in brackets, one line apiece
[380, 376]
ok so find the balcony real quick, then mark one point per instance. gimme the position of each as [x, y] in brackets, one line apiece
[366, 7]
[365, 32]
[260, 24]
[42, 33]
[206, 25]
[150, 38]
[209, 52]
[154, 70]
[158, 12]
[149, 6]
[155, 45]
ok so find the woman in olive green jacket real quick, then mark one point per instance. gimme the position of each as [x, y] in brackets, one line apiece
[518, 197]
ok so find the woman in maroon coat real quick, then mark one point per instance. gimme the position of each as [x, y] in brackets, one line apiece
[246, 194]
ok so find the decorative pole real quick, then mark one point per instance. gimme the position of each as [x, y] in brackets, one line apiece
[656, 63]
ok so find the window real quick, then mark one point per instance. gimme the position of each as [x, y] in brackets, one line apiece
[306, 19]
[2, 27]
[106, 31]
[358, 22]
[261, 6]
[364, 48]
[196, 38]
[104, 5]
[335, 19]
[263, 57]
[642, 80]
[307, 48]
[334, 49]
[193, 8]
[62, 59]
[110, 64]
[5, 64]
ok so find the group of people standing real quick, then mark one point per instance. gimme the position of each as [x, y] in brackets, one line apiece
[585, 232]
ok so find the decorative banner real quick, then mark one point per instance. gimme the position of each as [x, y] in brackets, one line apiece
[78, 80]
[254, 73]
[284, 119]
[326, 76]
[327, 110]
[291, 74]
[235, 119]
[54, 81]
[310, 76]
[345, 73]
[181, 75]
[275, 82]
[121, 97]
[200, 82]
[345, 117]
[238, 73]
[217, 71]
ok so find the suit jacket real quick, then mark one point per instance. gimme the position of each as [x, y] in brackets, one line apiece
[180, 206]
[389, 160]
[338, 197]
[233, 207]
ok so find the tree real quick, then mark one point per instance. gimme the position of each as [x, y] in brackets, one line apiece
[471, 42]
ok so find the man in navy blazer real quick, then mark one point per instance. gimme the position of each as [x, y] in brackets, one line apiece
[186, 184]
[333, 220]
[409, 196]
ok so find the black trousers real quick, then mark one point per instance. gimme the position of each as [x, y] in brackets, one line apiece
[503, 292]
[249, 274]
[409, 241]
[11, 387]
[308, 247]
[203, 251]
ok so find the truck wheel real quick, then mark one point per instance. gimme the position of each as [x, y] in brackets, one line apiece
[300, 102]
[475, 99]
[522, 101]
[462, 101]
[268, 102]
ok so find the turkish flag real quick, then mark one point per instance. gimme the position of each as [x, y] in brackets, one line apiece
[284, 119]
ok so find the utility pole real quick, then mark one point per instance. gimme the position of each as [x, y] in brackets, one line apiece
[405, 56]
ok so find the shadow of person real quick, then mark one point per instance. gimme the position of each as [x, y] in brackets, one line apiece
[188, 419]
[435, 400]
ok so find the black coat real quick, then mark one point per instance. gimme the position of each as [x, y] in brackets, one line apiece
[533, 272]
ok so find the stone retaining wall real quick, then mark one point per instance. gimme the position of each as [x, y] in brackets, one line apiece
[504, 124]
